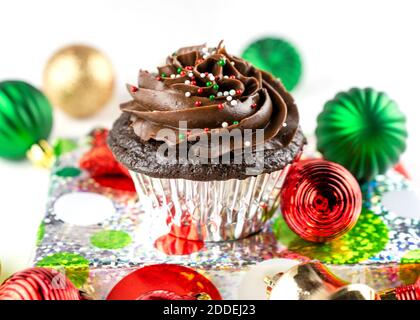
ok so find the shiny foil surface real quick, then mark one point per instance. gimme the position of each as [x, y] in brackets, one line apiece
[382, 250]
[211, 210]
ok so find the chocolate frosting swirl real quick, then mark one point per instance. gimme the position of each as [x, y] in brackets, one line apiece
[212, 91]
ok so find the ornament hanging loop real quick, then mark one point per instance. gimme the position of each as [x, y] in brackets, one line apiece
[41, 154]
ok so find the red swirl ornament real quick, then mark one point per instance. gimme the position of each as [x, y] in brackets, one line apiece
[38, 284]
[320, 200]
[163, 282]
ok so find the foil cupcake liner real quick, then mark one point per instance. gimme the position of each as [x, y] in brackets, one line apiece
[212, 210]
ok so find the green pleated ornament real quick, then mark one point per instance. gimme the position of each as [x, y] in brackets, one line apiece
[363, 130]
[25, 119]
[278, 57]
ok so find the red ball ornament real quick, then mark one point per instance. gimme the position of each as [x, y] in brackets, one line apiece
[320, 200]
[163, 282]
[38, 284]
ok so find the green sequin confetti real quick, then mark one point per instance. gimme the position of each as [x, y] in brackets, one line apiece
[367, 238]
[75, 266]
[412, 256]
[40, 233]
[278, 57]
[67, 172]
[110, 239]
[410, 267]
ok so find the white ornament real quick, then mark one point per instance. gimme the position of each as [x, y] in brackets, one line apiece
[253, 287]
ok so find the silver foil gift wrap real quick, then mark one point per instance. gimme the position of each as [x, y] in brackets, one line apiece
[212, 210]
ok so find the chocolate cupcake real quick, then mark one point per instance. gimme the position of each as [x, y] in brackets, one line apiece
[208, 140]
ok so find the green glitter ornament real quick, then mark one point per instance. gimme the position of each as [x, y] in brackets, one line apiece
[25, 118]
[110, 239]
[363, 130]
[368, 237]
[278, 57]
[75, 266]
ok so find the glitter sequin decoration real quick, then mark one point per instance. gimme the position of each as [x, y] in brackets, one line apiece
[75, 266]
[367, 238]
[68, 172]
[410, 267]
[110, 239]
[388, 239]
[40, 233]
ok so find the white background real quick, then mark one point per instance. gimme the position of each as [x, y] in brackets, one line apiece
[343, 43]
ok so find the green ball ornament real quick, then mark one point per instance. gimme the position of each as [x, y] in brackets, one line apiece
[25, 118]
[278, 57]
[363, 130]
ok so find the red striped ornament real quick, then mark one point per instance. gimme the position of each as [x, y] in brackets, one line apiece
[320, 200]
[39, 284]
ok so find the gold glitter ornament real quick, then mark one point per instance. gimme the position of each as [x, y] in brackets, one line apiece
[79, 80]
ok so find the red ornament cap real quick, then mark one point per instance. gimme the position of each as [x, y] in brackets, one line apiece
[38, 284]
[170, 279]
[320, 200]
